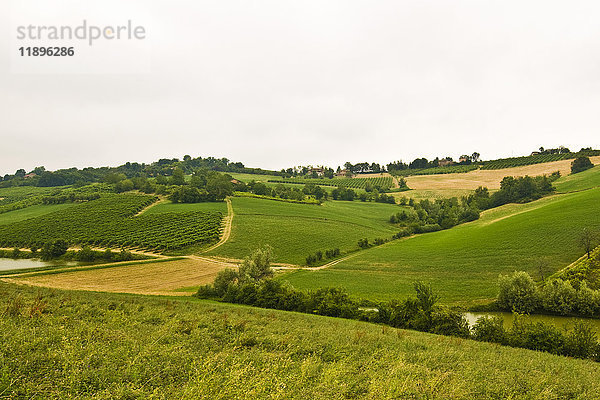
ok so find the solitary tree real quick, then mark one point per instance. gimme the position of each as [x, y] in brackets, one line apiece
[257, 266]
[542, 267]
[587, 240]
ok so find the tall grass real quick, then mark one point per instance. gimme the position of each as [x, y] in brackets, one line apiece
[56, 344]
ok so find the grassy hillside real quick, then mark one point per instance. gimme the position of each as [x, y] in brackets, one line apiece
[580, 181]
[56, 344]
[297, 230]
[31, 212]
[463, 263]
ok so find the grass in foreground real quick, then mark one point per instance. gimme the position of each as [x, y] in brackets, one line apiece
[297, 230]
[56, 344]
[463, 263]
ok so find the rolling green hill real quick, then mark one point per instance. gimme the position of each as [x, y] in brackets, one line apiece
[583, 180]
[297, 230]
[58, 344]
[463, 263]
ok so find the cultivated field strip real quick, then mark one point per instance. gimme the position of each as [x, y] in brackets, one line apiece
[111, 222]
[352, 183]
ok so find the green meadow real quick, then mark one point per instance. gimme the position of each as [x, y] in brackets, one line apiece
[31, 212]
[583, 180]
[463, 263]
[60, 344]
[297, 230]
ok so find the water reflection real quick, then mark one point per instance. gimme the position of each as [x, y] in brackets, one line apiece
[7, 264]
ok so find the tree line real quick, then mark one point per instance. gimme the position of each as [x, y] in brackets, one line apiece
[164, 167]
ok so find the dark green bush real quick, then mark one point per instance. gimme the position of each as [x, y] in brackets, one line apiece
[517, 293]
[445, 321]
[581, 164]
[490, 329]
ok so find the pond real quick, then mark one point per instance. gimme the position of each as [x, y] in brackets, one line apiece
[559, 321]
[7, 264]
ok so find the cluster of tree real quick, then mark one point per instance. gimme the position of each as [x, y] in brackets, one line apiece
[343, 193]
[86, 254]
[53, 249]
[308, 171]
[581, 164]
[363, 167]
[377, 197]
[60, 249]
[163, 167]
[347, 194]
[281, 191]
[205, 185]
[423, 163]
[253, 285]
[71, 197]
[435, 215]
[518, 292]
[365, 244]
[580, 342]
[513, 190]
[312, 259]
[558, 150]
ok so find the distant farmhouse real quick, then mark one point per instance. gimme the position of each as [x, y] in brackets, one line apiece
[444, 162]
[319, 171]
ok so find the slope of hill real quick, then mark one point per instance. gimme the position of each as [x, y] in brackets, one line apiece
[297, 230]
[583, 180]
[463, 263]
[57, 344]
[489, 178]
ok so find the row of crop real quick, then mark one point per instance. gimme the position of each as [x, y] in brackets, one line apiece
[527, 160]
[451, 169]
[353, 183]
[110, 222]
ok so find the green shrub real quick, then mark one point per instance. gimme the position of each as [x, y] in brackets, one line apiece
[490, 329]
[223, 280]
[333, 302]
[581, 164]
[587, 301]
[445, 321]
[536, 336]
[86, 254]
[517, 293]
[54, 249]
[581, 342]
[558, 296]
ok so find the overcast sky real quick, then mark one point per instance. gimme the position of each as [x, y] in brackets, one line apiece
[280, 83]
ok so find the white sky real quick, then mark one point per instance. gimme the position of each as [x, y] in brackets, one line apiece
[280, 83]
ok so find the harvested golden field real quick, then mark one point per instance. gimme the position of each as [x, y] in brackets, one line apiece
[490, 178]
[158, 278]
